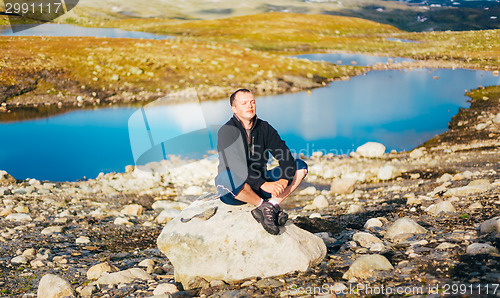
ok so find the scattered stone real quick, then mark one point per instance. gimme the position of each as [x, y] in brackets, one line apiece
[19, 217]
[6, 211]
[466, 190]
[122, 221]
[343, 186]
[326, 238]
[475, 205]
[445, 245]
[317, 154]
[373, 222]
[97, 270]
[311, 190]
[60, 260]
[365, 239]
[315, 215]
[228, 254]
[124, 276]
[441, 207]
[268, 283]
[496, 120]
[367, 266]
[136, 70]
[490, 226]
[417, 153]
[388, 172]
[53, 286]
[147, 263]
[37, 263]
[88, 290]
[6, 178]
[165, 288]
[481, 126]
[193, 191]
[320, 202]
[133, 209]
[404, 225]
[353, 209]
[480, 248]
[52, 230]
[34, 182]
[412, 200]
[377, 247]
[371, 149]
[82, 240]
[21, 209]
[19, 260]
[29, 253]
[445, 178]
[24, 190]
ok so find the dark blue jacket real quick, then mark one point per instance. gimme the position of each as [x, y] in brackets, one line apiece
[262, 141]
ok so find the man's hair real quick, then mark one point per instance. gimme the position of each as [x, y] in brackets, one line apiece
[233, 96]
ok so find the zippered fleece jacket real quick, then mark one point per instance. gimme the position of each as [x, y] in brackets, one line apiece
[246, 154]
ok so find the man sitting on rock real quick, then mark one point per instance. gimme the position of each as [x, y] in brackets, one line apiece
[245, 143]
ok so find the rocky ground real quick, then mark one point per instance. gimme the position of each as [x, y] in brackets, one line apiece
[430, 217]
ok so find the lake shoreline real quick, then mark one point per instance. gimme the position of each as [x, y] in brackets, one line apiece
[29, 108]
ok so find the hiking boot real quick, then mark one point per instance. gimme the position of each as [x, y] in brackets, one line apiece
[281, 216]
[265, 214]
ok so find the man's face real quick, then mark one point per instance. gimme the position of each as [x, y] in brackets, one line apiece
[244, 105]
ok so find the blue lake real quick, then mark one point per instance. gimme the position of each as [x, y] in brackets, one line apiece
[399, 108]
[71, 30]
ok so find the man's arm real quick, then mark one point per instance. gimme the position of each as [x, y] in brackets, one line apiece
[281, 152]
[231, 150]
[275, 188]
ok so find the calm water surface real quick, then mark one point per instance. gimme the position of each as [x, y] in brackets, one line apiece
[400, 109]
[71, 30]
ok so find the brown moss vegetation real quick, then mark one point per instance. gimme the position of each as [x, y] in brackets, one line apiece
[215, 56]
[103, 67]
[288, 32]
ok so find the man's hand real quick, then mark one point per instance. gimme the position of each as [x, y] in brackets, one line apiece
[274, 188]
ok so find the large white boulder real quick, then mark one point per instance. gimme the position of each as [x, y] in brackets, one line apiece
[371, 149]
[215, 241]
